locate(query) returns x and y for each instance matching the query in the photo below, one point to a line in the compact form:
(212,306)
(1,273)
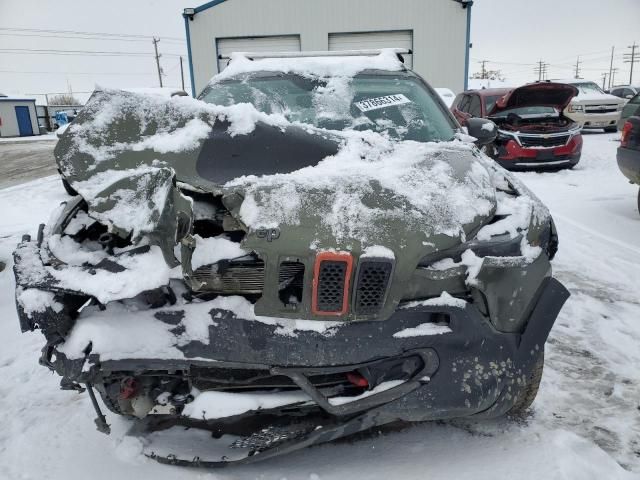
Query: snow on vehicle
(311,249)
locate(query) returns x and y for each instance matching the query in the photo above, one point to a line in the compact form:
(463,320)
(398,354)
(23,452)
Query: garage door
(282,43)
(364,41)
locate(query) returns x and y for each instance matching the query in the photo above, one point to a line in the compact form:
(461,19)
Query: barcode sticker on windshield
(381,102)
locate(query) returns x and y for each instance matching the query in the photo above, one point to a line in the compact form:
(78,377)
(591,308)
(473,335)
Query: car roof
(489,92)
(275,73)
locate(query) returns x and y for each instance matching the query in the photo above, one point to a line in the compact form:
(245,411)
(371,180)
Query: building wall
(9,127)
(439,30)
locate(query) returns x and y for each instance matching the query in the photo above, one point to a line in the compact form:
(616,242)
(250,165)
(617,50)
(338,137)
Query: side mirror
(485,131)
(629,97)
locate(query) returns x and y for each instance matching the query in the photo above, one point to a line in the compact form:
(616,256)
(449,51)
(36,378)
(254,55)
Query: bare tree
(64,99)
(489,74)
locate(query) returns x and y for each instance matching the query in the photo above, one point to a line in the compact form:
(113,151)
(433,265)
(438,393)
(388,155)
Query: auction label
(381,102)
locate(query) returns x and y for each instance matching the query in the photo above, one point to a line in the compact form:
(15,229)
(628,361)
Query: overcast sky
(511,34)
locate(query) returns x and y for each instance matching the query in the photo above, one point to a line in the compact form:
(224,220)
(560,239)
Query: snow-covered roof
(319,67)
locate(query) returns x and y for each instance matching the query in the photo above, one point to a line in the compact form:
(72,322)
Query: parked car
(287,261)
(592,108)
(632,108)
(629,152)
(625,92)
(446,95)
(533,132)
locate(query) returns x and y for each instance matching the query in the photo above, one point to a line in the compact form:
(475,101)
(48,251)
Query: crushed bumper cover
(471,370)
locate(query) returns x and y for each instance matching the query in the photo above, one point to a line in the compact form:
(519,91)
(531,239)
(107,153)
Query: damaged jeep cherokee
(310,249)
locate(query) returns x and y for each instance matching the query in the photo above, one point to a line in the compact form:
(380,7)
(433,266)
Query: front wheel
(638,200)
(530,390)
(611,129)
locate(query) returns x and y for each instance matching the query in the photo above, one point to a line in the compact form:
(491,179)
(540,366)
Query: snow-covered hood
(548,94)
(335,189)
(597,99)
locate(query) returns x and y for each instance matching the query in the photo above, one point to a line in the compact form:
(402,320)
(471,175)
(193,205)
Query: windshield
(586,88)
(528,112)
(491,101)
(399,106)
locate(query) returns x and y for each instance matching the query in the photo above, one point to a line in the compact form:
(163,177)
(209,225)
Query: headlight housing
(575,108)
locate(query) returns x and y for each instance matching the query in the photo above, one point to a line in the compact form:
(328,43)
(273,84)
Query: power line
(613,49)
(541,70)
(604,79)
(155,42)
(97,39)
(101,34)
(612,81)
(75,73)
(43,51)
(631,58)
(577,72)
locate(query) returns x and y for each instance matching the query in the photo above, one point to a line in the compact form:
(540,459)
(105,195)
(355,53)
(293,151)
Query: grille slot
(291,282)
(371,288)
(330,291)
(243,277)
(600,108)
(544,142)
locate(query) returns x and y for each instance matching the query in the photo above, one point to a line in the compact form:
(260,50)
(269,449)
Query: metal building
(436,31)
(18,117)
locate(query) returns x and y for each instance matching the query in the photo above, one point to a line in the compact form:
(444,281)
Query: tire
(69,188)
(638,200)
(611,129)
(528,394)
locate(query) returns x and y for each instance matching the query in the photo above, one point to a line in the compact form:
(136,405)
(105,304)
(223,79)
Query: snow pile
(389,384)
(444,300)
(129,330)
(142,271)
(213,249)
(423,330)
(116,121)
(33,300)
(312,67)
(211,405)
(371,188)
(377,251)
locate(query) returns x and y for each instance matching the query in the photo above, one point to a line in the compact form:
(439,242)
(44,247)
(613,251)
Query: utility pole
(155,46)
(483,73)
(578,62)
(541,70)
(631,58)
(182,74)
(604,80)
(612,79)
(613,49)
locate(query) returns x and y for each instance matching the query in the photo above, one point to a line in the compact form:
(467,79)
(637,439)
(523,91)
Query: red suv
(533,133)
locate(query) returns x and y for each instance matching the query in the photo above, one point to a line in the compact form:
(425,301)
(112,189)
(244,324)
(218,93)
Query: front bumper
(473,369)
(513,156)
(594,120)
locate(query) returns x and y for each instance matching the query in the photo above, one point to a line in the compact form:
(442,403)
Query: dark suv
(533,132)
(309,250)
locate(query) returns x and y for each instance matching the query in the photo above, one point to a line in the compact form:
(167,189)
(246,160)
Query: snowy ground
(585,423)
(35,138)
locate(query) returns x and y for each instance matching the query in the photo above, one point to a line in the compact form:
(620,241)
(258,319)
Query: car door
(475,106)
